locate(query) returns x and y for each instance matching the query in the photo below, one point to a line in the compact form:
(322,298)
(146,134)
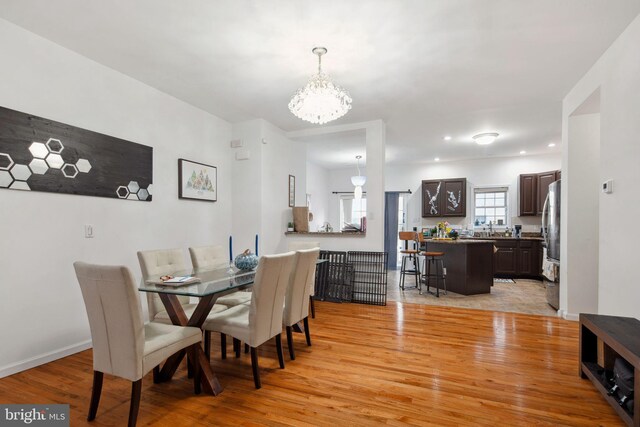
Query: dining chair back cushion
(155,264)
(296,246)
(115,318)
(267,298)
(296,306)
(209,257)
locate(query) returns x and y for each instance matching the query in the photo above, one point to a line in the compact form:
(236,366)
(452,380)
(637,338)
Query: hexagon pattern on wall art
(55,161)
(69,170)
(55,146)
(38,150)
(5,179)
(133,186)
(122,192)
(143,194)
(5,161)
(40,154)
(20,172)
(19,185)
(38,166)
(83,165)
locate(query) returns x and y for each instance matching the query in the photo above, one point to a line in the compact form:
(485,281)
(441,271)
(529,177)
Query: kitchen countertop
(460,241)
(502,238)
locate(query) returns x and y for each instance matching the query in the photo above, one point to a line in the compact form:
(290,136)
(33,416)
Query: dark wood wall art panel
(455,192)
(431,198)
(39,154)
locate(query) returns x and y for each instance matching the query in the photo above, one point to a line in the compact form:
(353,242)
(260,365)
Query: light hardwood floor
(400,364)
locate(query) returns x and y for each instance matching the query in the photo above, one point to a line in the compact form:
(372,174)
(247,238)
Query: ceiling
(427,68)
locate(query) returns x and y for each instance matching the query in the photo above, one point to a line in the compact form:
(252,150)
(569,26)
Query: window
(351,210)
(490,206)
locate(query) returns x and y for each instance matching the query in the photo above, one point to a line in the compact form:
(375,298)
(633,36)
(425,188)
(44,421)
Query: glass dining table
(213,284)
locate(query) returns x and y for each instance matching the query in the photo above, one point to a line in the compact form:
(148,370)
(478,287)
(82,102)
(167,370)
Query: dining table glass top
(212,281)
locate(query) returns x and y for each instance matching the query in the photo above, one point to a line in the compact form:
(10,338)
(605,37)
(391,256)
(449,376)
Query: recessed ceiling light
(523,152)
(485,138)
(437,159)
(552,144)
(447,138)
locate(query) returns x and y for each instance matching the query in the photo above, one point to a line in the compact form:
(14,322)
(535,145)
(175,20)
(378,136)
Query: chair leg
(313,307)
(402,266)
(279,348)
(236,347)
(189,368)
(156,374)
(246,348)
(136,390)
(292,354)
(207,344)
(307,334)
(223,345)
(254,367)
(95,395)
(193,354)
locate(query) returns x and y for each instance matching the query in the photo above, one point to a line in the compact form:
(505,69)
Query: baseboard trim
(32,362)
(569,316)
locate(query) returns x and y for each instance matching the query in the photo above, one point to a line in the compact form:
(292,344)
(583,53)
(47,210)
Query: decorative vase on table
(246,261)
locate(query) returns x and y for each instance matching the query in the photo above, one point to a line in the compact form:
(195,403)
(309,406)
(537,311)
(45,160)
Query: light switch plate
(607,186)
(88,231)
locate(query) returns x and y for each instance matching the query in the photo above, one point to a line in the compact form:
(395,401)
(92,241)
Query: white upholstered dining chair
(210,257)
(296,305)
(296,246)
(261,319)
(122,344)
(157,263)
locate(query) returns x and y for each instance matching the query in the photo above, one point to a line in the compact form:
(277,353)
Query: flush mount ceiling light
(552,145)
(523,152)
(437,159)
(485,138)
(447,138)
(358,181)
(320,101)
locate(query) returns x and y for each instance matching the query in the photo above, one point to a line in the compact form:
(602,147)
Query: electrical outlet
(88,231)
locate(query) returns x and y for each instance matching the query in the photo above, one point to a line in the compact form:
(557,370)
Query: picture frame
(197,181)
(292,191)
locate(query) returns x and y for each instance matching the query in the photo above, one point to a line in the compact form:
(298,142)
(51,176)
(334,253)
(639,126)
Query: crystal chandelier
(358,181)
(320,101)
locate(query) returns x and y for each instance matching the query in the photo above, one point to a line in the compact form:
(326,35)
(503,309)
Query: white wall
(320,191)
(42,233)
(617,75)
(480,172)
(580,259)
(281,158)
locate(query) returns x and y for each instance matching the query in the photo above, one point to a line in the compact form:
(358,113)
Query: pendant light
(358,181)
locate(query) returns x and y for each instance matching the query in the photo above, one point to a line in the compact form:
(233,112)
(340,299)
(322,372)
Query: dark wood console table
(602,340)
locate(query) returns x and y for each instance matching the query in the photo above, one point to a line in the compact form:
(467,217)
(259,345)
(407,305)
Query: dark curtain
(391,199)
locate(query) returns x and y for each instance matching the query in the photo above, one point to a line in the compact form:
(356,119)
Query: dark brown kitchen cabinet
(527,192)
(444,198)
(505,261)
(544,179)
(532,191)
(516,258)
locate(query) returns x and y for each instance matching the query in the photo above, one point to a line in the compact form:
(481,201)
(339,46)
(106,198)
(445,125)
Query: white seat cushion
(235,298)
(163,316)
(234,322)
(161,341)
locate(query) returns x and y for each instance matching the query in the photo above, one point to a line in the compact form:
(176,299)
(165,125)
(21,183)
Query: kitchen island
(469,264)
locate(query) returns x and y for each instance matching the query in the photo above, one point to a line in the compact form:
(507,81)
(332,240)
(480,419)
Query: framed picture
(197,181)
(292,191)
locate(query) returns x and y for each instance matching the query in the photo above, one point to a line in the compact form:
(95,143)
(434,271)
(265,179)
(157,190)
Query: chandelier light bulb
(485,138)
(321,100)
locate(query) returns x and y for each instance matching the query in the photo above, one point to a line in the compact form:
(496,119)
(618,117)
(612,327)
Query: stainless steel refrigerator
(551,235)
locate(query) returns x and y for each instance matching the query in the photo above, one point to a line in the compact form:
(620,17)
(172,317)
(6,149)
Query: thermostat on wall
(607,187)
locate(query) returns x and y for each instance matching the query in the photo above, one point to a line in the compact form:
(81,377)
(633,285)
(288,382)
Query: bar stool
(434,259)
(409,255)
